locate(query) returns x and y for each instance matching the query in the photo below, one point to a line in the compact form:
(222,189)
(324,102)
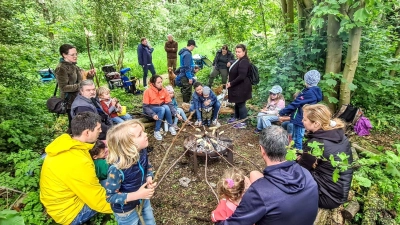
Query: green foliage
(10,217)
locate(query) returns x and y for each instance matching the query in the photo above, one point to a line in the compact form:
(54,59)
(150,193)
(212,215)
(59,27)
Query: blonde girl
(231,187)
(270,112)
(130,176)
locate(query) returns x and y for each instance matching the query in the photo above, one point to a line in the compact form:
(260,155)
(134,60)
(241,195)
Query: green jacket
(101,167)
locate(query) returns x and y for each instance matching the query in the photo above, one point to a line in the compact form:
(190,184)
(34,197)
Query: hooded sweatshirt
(187,64)
(68,180)
(287,194)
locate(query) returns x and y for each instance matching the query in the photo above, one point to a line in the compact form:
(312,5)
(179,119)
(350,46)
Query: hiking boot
(215,123)
(197,123)
(172,130)
(231,120)
(157,135)
(239,126)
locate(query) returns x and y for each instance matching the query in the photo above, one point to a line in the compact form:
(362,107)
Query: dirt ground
(175,204)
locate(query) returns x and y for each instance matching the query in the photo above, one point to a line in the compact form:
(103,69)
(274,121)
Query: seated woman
(330,133)
(157,104)
(204,100)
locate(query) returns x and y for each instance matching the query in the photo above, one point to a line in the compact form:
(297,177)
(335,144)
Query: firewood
(372,205)
(360,149)
(351,209)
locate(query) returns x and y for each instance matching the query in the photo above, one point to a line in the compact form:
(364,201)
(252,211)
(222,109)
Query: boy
(206,108)
(312,94)
(99,154)
(111,105)
(180,111)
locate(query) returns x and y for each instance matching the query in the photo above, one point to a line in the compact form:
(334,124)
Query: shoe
(157,135)
(257,131)
(215,123)
(231,120)
(175,127)
(197,123)
(240,126)
(172,130)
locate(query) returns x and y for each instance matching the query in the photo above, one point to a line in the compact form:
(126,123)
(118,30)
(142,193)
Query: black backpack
(253,74)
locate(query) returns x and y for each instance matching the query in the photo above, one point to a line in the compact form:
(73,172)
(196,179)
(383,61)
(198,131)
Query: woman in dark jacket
(69,75)
(221,63)
(239,86)
(330,133)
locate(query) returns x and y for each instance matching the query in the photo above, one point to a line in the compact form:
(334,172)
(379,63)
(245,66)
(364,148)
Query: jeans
(215,109)
(120,119)
(298,134)
(264,120)
(132,217)
(146,69)
(163,112)
(180,112)
(288,126)
(240,110)
(84,215)
(215,72)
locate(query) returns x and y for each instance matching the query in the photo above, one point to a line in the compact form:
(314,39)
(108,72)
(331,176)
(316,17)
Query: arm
(243,69)
(215,61)
(151,50)
(140,54)
(62,79)
(83,109)
(102,170)
(301,100)
(169,50)
(188,69)
(107,109)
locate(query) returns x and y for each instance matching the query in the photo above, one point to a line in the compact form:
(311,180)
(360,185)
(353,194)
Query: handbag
(56,104)
(123,111)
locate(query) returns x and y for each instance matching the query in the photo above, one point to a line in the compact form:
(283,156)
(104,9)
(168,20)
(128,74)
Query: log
(360,149)
(350,210)
(372,205)
(226,110)
(386,219)
(329,217)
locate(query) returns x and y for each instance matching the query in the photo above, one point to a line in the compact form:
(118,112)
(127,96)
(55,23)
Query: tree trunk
(396,54)
(334,56)
(290,13)
(301,18)
(351,64)
(284,11)
(373,204)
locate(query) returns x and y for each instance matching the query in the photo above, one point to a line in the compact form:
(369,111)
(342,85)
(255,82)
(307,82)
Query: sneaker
(172,130)
(157,135)
(197,123)
(215,123)
(257,131)
(239,126)
(231,120)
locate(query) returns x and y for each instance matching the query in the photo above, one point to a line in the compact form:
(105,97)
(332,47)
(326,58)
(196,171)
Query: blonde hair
(102,90)
(232,184)
(123,150)
(321,114)
(278,98)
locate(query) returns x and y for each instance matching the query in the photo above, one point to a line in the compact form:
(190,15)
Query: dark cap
(192,42)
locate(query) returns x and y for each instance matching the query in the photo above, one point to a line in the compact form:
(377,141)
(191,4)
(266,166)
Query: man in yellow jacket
(69,188)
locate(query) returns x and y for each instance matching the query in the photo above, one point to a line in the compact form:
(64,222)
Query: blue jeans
(146,69)
(84,215)
(264,120)
(163,112)
(288,126)
(215,109)
(298,134)
(182,113)
(120,119)
(132,218)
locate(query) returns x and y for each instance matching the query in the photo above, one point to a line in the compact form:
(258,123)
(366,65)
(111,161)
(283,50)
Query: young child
(231,187)
(269,113)
(130,176)
(99,155)
(286,124)
(180,111)
(206,109)
(312,94)
(111,105)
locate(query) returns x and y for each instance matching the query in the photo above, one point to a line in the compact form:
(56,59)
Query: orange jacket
(154,97)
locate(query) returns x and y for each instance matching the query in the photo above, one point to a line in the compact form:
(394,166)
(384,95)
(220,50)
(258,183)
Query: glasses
(73,55)
(272,93)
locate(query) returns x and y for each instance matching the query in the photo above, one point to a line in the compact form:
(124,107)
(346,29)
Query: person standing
(221,63)
(69,75)
(239,85)
(171,47)
(276,195)
(186,70)
(145,59)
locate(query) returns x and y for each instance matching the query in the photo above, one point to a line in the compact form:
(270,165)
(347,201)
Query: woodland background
(355,44)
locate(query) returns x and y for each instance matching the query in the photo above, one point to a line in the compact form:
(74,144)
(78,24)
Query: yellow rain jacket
(68,180)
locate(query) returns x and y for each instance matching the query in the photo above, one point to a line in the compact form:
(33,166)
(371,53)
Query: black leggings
(240,110)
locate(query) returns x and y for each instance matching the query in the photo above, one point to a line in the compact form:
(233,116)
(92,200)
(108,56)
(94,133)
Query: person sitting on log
(157,104)
(199,101)
(330,134)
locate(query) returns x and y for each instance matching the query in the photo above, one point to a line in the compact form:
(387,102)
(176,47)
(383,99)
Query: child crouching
(130,176)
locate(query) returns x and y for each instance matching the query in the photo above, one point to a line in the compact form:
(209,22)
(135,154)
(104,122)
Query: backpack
(56,104)
(253,74)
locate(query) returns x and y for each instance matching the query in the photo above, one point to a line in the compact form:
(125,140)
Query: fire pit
(207,145)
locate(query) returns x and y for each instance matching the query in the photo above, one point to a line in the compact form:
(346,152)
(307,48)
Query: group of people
(82,175)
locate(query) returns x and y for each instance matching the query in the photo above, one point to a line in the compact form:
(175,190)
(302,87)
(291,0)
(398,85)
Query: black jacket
(240,90)
(220,62)
(331,194)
